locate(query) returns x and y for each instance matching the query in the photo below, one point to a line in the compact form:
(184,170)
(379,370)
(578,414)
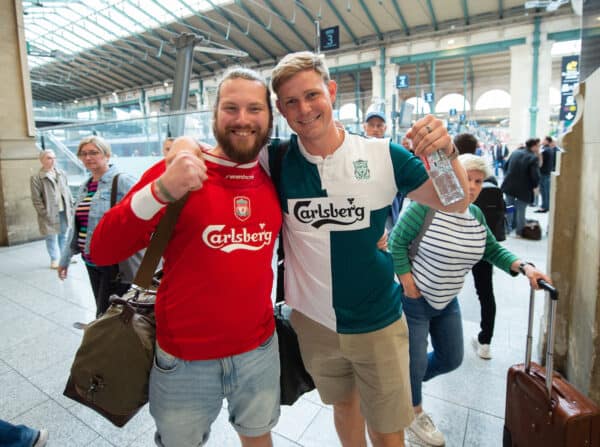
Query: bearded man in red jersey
(214,316)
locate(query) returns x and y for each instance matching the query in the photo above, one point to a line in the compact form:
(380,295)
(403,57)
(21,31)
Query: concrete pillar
(574,245)
(376,83)
(391,71)
(521,60)
(18,154)
(544,84)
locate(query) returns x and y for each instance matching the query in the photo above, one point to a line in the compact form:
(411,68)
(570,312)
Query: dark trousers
(482,274)
(105,282)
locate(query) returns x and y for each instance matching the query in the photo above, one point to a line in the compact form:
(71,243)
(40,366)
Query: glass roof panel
(71,26)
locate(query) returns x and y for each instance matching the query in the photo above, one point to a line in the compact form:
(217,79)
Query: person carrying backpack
(491,203)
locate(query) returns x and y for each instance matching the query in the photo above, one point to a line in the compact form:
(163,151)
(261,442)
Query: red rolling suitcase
(544,410)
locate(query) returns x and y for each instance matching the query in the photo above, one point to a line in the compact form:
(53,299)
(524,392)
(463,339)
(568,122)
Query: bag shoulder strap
(414,245)
(113,190)
(158,243)
(280,151)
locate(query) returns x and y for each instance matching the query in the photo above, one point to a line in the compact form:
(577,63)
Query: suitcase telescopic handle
(553,295)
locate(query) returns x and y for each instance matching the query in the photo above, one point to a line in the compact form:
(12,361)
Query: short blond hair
(97,141)
(293,64)
(475,163)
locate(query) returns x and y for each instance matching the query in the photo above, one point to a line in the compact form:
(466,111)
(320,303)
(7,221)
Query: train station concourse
(138,73)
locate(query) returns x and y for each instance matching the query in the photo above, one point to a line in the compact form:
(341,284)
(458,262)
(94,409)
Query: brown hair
(249,75)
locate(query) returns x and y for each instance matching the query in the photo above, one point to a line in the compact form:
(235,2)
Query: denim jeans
(56,242)
(16,435)
(545,191)
(518,217)
(445,328)
(187,396)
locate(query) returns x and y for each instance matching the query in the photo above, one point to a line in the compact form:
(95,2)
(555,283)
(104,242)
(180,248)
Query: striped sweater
(451,246)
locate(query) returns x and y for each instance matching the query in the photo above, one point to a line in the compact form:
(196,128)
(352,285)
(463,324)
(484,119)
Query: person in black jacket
(522,176)
(549,151)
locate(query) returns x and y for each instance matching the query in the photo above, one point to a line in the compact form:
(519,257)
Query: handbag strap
(158,243)
(414,245)
(113,190)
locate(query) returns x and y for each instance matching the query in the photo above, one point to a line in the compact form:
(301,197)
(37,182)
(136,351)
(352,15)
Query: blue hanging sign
(330,38)
(402,81)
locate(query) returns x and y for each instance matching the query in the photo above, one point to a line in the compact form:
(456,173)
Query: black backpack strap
(414,245)
(113,190)
(280,148)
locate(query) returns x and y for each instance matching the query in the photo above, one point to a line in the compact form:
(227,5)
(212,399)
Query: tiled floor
(37,343)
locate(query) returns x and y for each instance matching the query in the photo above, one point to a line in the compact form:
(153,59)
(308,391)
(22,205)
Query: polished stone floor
(37,344)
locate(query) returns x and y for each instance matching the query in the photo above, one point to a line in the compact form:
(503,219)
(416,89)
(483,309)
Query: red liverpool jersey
(215,297)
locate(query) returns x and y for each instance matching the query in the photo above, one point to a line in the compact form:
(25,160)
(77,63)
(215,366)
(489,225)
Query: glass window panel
(75,26)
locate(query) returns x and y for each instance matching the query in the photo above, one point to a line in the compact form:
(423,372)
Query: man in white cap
(374,124)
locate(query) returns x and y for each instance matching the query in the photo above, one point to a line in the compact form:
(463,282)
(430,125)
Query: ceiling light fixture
(223,51)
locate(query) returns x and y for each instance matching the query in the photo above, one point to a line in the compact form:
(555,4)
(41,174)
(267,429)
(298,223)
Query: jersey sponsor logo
(333,213)
(241,207)
(361,170)
(228,239)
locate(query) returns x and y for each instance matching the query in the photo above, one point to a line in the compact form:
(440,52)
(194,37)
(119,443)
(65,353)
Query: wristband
(166,194)
(522,266)
(155,194)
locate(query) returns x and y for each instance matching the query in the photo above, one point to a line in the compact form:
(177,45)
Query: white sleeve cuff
(143,203)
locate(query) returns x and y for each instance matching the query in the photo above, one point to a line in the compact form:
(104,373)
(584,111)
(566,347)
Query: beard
(242,152)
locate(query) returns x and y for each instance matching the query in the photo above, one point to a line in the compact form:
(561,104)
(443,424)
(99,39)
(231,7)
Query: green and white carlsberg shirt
(334,213)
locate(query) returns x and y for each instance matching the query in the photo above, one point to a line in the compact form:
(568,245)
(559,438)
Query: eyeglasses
(89,153)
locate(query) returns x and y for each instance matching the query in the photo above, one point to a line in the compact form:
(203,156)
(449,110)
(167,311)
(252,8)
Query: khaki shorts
(374,363)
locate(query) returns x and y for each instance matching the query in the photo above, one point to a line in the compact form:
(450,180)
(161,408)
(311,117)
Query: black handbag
(294,380)
(532,230)
(111,370)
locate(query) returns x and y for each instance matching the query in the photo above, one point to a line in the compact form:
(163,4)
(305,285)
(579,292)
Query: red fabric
(215,297)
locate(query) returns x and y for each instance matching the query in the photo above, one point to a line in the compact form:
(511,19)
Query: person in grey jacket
(521,177)
(92,201)
(53,204)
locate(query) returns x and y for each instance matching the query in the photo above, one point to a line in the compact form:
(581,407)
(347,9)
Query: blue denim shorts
(187,396)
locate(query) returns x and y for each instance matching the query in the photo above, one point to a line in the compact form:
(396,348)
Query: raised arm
(427,136)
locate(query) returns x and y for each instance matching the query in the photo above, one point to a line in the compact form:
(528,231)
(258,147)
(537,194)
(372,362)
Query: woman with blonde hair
(92,201)
(433,251)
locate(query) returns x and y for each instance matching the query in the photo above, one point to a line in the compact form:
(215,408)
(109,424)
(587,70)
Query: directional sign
(452,112)
(330,38)
(462,117)
(428,97)
(569,77)
(402,81)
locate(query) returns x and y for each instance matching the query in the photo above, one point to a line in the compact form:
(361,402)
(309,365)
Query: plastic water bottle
(443,177)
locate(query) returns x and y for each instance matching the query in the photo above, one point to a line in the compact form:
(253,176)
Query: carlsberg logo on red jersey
(227,239)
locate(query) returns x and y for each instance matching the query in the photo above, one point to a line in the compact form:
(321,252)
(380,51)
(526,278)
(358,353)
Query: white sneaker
(424,428)
(483,351)
(42,438)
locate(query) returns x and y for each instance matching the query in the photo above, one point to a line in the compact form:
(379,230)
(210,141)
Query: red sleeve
(120,233)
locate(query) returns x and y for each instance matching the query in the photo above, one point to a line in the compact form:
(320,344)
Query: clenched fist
(185,172)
